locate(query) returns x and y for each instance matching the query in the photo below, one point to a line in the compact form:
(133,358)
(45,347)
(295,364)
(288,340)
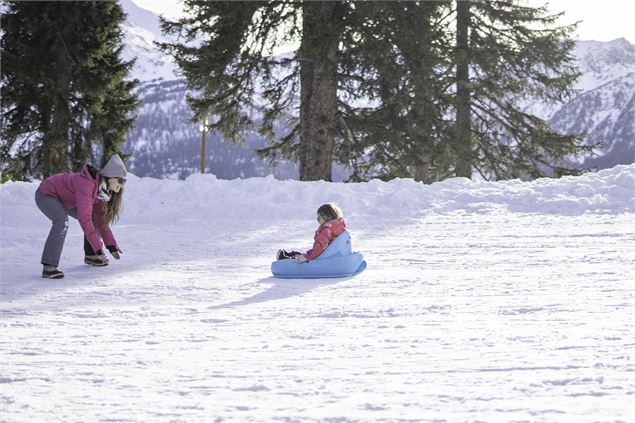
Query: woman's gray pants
(54,210)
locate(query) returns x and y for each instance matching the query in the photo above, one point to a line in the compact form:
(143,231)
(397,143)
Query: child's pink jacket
(324,235)
(79,190)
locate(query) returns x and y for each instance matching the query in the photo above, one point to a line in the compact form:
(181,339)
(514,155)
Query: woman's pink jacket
(79,190)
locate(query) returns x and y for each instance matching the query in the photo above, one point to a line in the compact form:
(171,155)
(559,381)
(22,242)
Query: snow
(506,301)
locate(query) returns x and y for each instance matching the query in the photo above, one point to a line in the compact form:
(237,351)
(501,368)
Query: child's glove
(115,251)
(300,258)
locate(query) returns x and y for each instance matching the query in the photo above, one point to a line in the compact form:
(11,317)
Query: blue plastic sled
(337,261)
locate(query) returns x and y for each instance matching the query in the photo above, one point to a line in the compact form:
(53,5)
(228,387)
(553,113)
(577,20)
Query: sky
(603,20)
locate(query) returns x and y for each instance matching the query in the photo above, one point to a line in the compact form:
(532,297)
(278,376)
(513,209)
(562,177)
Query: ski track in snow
(464,314)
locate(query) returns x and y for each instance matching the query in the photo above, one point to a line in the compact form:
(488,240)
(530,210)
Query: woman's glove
(300,258)
(115,251)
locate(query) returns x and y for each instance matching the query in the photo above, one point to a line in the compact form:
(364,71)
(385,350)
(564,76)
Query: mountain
(166,144)
(605,108)
(141,30)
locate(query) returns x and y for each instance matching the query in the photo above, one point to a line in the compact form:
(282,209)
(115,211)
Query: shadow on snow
(281,289)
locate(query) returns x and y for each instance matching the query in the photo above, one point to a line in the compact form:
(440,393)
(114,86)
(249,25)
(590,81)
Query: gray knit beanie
(114,168)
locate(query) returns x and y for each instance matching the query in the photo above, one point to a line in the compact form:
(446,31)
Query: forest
(422,90)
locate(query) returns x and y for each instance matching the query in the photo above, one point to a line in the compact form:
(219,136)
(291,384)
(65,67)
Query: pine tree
(63,87)
(393,89)
(393,59)
(507,54)
(458,108)
(347,54)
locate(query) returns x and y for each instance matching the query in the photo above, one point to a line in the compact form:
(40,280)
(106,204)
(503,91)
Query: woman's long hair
(113,208)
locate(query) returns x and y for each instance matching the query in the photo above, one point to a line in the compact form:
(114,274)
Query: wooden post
(203,129)
(204,125)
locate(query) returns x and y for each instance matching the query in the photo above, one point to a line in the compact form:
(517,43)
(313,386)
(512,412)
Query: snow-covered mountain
(141,30)
(603,62)
(166,144)
(605,108)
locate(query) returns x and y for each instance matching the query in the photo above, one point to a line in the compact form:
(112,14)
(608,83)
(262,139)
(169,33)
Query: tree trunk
(318,89)
(463,126)
(55,141)
(417,55)
(81,147)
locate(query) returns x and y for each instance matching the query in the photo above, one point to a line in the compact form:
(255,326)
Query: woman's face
(115,184)
(320,219)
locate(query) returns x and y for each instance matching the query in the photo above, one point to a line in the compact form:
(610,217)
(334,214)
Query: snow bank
(610,191)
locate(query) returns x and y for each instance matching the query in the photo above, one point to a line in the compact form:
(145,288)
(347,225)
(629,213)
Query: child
(91,196)
(332,224)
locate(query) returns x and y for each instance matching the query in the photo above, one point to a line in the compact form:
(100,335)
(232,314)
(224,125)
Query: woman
(91,196)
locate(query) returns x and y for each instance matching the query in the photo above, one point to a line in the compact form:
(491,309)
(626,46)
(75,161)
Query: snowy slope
(503,301)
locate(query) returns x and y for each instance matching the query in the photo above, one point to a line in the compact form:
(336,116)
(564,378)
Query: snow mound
(610,191)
